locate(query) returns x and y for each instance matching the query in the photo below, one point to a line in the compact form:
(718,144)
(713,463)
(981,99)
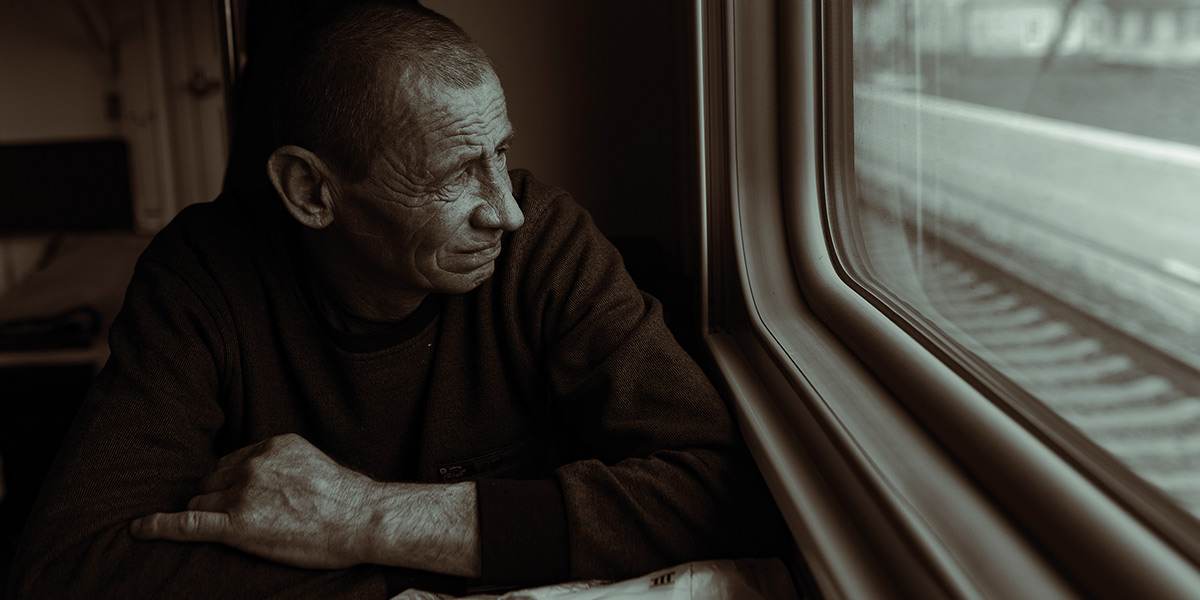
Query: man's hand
(284,500)
(281,499)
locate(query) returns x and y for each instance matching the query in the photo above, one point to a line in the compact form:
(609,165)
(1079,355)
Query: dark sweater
(599,448)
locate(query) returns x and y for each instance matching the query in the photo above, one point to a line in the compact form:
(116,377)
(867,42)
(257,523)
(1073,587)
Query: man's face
(429,216)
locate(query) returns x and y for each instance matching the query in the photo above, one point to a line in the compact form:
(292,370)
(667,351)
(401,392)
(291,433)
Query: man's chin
(460,283)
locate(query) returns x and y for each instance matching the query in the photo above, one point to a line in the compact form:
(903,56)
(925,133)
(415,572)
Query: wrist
(430,527)
(370,543)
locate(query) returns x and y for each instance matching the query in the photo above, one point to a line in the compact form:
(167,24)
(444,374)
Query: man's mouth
(488,252)
(477,257)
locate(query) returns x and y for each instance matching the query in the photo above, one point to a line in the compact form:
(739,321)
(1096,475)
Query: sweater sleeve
(656,472)
(147,434)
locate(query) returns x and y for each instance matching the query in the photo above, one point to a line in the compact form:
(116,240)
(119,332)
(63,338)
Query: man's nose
(499,209)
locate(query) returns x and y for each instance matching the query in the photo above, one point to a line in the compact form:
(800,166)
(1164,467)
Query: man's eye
(456,179)
(452,188)
(502,150)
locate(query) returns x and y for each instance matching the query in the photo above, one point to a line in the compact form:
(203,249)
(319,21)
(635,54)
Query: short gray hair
(333,96)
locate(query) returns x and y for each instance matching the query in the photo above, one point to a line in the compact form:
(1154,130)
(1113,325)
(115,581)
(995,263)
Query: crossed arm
(284,500)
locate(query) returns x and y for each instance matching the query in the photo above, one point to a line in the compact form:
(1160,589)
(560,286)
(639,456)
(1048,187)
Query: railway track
(1139,405)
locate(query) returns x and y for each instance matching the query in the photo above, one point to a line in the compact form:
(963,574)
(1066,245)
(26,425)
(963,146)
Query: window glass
(1028,185)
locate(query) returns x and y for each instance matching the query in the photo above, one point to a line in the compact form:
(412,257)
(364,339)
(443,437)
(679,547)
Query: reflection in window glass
(1029,182)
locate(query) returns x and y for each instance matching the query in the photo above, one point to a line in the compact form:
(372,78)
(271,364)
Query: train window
(1025,184)
(951,288)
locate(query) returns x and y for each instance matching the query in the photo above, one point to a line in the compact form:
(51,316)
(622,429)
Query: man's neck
(350,303)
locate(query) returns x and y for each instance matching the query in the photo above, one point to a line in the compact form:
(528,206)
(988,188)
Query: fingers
(214,502)
(187,526)
(267,446)
(221,479)
(239,455)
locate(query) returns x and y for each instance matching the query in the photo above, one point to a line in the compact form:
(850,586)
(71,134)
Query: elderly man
(418,369)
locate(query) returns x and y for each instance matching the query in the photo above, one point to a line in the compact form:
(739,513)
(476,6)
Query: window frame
(895,474)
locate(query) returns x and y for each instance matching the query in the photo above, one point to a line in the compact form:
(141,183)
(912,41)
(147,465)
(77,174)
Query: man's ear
(302,180)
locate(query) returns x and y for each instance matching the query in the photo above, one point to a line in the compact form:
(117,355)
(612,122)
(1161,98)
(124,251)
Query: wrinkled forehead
(436,117)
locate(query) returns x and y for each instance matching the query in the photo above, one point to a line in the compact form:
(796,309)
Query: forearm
(285,500)
(430,527)
(643,514)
